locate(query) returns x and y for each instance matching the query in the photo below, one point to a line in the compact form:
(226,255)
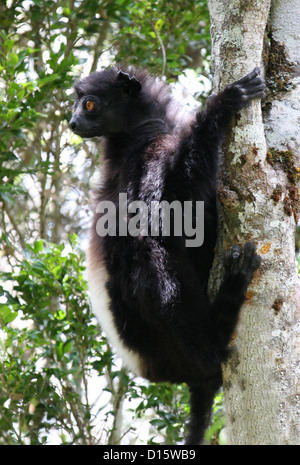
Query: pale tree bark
(258,188)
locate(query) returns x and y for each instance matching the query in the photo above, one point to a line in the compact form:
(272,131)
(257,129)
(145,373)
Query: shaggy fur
(150,293)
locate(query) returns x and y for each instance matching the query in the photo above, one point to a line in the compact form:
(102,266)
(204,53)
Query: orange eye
(89,105)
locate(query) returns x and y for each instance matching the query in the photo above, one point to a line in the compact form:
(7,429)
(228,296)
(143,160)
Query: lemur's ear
(129,84)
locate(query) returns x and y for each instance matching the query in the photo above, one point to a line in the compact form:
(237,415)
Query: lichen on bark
(259,201)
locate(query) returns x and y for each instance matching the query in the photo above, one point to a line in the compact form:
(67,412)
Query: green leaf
(38,246)
(47,79)
(60,315)
(159,423)
(13,59)
(59,349)
(8,44)
(67,347)
(7,314)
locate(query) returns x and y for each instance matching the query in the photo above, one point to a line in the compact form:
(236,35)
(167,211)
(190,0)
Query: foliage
(167,30)
(48,356)
(51,351)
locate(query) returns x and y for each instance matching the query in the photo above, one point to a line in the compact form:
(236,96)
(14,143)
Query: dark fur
(158,287)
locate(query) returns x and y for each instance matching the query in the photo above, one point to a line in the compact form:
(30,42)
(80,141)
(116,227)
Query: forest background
(59,380)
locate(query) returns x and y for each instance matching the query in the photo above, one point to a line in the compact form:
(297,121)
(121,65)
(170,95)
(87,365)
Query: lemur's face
(102,108)
(89,115)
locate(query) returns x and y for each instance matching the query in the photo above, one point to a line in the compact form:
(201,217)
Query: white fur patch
(97,278)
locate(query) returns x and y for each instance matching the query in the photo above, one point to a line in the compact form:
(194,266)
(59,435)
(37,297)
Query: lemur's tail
(201,402)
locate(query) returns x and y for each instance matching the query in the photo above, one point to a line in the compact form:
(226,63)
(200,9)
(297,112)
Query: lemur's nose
(72,124)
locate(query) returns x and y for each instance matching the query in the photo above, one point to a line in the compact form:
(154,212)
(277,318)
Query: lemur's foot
(235,267)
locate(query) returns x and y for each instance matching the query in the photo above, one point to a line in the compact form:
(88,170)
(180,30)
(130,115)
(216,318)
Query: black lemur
(149,292)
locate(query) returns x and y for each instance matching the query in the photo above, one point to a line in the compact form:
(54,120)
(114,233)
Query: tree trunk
(258,201)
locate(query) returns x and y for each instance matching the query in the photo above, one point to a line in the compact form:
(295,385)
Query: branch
(115,438)
(164,55)
(13,223)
